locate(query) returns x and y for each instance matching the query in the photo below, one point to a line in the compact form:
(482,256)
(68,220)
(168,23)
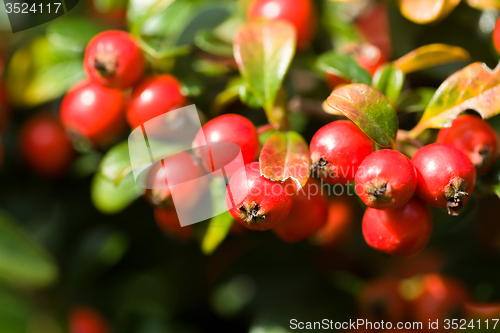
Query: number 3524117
(25,8)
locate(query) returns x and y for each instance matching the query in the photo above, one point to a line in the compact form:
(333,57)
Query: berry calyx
(257,202)
(94,112)
(401,231)
(299,13)
(337,150)
(114,60)
(152,97)
(386,179)
(446,177)
(475,138)
(45,147)
(86,320)
(229,128)
(309,213)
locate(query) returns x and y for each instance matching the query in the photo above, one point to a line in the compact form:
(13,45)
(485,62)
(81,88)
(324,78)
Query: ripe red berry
(229,128)
(92,111)
(342,213)
(496,36)
(181,168)
(386,179)
(368,56)
(441,298)
(446,177)
(475,138)
(45,147)
(255,201)
(333,80)
(401,232)
(373,24)
(86,320)
(299,13)
(168,221)
(338,149)
(114,60)
(309,213)
(380,300)
(152,97)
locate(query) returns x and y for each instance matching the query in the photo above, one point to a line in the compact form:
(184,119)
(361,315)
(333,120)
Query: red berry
(386,179)
(229,128)
(255,201)
(446,177)
(86,320)
(114,60)
(299,13)
(368,56)
(45,147)
(401,232)
(341,216)
(381,300)
(373,24)
(334,80)
(152,97)
(168,221)
(181,168)
(92,111)
(338,149)
(441,298)
(496,36)
(475,138)
(309,213)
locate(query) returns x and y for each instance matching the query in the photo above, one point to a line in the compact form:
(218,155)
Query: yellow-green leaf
(429,56)
(369,109)
(475,87)
(264,51)
(426,11)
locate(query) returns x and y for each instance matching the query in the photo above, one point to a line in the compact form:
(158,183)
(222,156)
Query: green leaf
(110,198)
(415,100)
(369,109)
(285,155)
(343,65)
(22,261)
(475,87)
(139,10)
(264,51)
(206,41)
(40,72)
(72,33)
(389,80)
(219,225)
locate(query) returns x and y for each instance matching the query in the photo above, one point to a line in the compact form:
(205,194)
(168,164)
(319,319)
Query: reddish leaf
(286,155)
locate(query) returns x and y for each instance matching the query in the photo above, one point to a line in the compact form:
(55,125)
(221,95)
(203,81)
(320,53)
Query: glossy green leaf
(285,155)
(415,100)
(219,225)
(139,10)
(369,109)
(390,81)
(110,198)
(23,262)
(264,51)
(343,65)
(475,87)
